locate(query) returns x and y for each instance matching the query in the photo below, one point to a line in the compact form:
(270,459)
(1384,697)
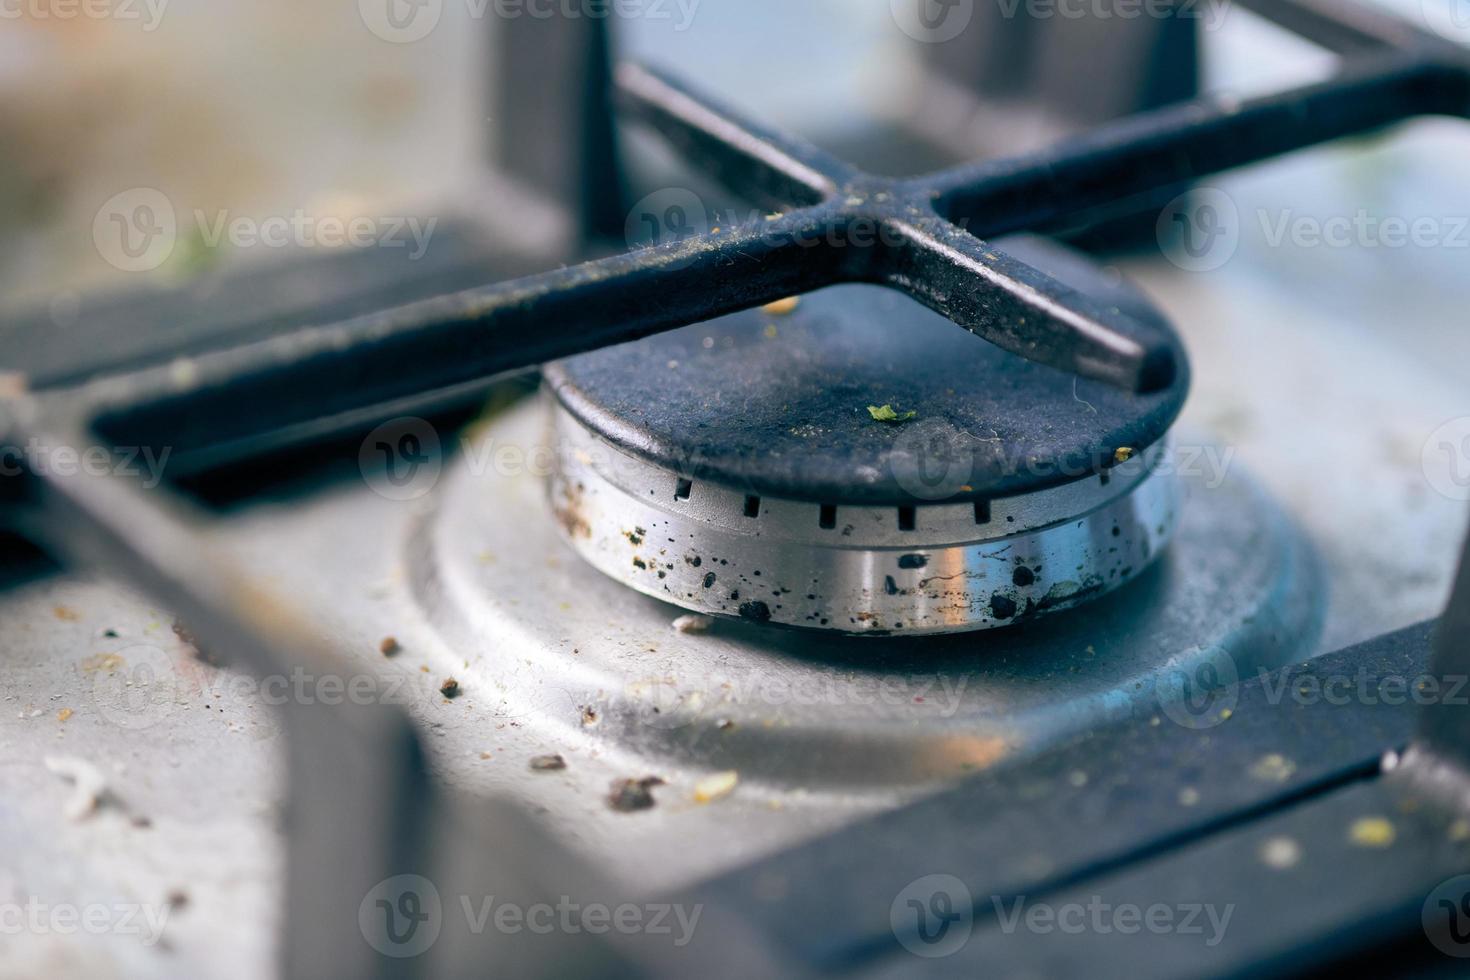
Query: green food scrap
(887,414)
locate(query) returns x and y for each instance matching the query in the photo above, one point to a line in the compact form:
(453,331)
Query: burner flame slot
(827,518)
(982,512)
(907,518)
(752,506)
(683,489)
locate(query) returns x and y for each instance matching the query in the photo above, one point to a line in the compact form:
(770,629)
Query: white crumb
(90,784)
(693,624)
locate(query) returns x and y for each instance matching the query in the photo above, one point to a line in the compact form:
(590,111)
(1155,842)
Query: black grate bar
(477,334)
(905,234)
(1162,151)
(1342,28)
(770,168)
(1018,308)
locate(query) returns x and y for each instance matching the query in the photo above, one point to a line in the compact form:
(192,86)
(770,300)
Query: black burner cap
(780,404)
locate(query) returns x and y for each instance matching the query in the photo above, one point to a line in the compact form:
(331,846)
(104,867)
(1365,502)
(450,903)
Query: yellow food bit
(1371,832)
(1124,454)
(771,331)
(715,787)
(783,307)
(63,714)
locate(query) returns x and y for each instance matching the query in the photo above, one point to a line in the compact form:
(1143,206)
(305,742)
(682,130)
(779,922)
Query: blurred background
(328,112)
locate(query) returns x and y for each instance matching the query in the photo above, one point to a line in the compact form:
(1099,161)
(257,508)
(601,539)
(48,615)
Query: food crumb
(693,624)
(66,614)
(13,384)
(1281,853)
(1188,796)
(1372,832)
(886,413)
(1273,768)
(715,787)
(389,646)
(450,689)
(782,307)
(91,785)
(632,795)
(548,763)
(1124,454)
(63,714)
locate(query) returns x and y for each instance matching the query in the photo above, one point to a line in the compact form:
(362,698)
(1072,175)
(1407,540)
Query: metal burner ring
(875,570)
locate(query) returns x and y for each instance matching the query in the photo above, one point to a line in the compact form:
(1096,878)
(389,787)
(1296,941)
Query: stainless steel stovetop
(1317,510)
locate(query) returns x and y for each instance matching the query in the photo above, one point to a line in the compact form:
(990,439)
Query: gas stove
(1034,567)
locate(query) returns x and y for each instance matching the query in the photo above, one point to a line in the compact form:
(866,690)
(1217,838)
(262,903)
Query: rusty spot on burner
(567,509)
(756,611)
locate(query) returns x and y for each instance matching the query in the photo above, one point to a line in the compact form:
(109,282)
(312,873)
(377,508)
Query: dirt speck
(548,763)
(389,646)
(450,689)
(66,614)
(633,795)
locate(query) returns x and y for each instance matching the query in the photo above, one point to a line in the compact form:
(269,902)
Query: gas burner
(738,467)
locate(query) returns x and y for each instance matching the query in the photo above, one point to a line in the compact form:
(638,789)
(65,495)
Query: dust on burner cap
(735,467)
